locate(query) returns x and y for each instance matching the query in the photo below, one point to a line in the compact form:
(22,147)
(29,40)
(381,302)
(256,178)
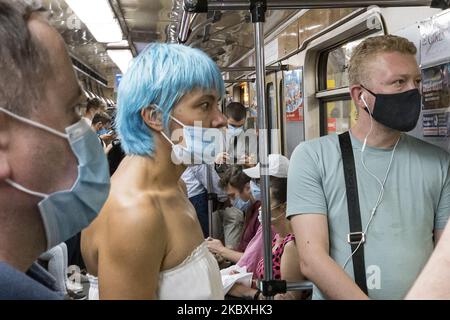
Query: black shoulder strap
(356,235)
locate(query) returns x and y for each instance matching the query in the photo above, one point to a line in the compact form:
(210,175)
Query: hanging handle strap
(356,237)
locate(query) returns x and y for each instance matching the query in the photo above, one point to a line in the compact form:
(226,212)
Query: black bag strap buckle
(356,238)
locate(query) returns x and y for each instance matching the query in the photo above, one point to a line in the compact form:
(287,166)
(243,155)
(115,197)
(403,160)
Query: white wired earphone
(380,195)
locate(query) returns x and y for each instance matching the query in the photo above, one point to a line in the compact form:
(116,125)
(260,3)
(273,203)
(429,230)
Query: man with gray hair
(44,148)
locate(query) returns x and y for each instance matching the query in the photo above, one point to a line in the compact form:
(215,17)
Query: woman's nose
(219,119)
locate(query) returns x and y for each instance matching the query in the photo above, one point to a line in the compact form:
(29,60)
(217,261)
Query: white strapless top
(196,278)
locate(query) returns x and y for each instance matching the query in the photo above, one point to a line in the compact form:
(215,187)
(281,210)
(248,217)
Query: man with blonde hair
(368,206)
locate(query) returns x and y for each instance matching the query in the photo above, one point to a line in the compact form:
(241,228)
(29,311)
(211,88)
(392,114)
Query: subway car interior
(330,126)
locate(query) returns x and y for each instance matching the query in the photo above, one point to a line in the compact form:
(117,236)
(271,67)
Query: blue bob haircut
(162,74)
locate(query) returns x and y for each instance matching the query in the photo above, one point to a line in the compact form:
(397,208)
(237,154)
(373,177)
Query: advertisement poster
(436,124)
(436,87)
(434,40)
(434,53)
(293,94)
(436,100)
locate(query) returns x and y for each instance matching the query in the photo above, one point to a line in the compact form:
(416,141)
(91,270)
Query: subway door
(237,93)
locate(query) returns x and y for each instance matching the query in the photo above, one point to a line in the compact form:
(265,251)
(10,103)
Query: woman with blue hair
(147,242)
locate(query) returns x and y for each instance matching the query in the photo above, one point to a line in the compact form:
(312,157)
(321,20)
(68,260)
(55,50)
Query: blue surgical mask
(241,204)
(102,132)
(233,131)
(65,213)
(255,190)
(202,145)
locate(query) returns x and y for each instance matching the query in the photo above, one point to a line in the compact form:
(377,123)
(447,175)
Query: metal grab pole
(185,26)
(258,14)
(320,4)
(211,197)
(269,68)
(299,286)
(239,81)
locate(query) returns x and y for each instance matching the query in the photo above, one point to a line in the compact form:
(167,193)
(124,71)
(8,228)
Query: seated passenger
(237,185)
(147,242)
(285,262)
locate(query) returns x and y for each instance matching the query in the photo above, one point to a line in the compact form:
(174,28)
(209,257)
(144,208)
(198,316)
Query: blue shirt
(16,285)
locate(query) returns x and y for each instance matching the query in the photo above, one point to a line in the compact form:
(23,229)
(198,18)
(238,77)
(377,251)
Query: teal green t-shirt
(416,202)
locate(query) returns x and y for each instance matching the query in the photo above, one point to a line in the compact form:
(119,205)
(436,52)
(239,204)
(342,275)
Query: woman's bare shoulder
(138,211)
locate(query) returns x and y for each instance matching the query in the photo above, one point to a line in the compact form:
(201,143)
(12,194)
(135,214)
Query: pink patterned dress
(277,252)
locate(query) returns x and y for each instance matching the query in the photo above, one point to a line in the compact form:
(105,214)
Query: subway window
(341,116)
(337,111)
(337,65)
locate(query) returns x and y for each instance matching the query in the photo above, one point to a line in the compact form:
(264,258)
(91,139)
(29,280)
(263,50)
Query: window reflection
(337,65)
(340,116)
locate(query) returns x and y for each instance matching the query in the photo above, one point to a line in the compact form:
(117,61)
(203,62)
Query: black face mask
(398,111)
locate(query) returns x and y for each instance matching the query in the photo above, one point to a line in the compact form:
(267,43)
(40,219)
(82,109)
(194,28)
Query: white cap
(278,167)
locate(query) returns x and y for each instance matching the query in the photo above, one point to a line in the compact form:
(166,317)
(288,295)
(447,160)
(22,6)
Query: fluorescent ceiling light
(118,45)
(121,57)
(99,18)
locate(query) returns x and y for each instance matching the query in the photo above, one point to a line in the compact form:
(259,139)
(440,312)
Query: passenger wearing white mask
(47,153)
(278,166)
(237,185)
(241,144)
(285,263)
(147,242)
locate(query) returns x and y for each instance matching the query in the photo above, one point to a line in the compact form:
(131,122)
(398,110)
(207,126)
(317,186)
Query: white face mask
(233,131)
(256,190)
(202,145)
(241,204)
(67,212)
(272,219)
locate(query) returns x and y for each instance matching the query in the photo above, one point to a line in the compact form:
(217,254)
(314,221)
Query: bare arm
(290,271)
(290,266)
(311,233)
(216,247)
(434,280)
(131,258)
(240,291)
